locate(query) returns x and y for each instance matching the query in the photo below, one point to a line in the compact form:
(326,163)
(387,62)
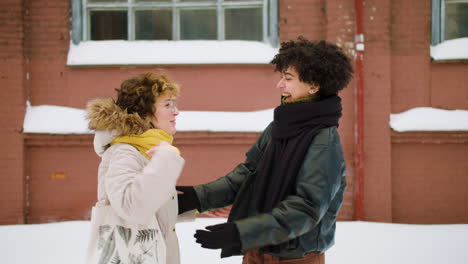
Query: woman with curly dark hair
(137,174)
(287,194)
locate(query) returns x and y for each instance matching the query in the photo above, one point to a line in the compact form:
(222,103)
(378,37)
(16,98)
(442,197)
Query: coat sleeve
(320,178)
(222,192)
(136,191)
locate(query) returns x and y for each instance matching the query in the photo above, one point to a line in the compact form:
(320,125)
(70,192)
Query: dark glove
(219,236)
(187,200)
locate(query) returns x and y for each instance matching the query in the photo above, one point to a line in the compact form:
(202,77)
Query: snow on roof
(455,49)
(50,119)
(429,119)
(121,52)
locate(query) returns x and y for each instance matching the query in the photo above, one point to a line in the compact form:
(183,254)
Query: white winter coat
(137,187)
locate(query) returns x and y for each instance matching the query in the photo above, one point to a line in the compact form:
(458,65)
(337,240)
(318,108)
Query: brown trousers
(253,257)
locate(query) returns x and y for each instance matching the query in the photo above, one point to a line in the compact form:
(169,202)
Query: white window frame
(81,28)
(436,22)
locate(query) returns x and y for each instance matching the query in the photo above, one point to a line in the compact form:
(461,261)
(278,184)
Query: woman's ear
(151,121)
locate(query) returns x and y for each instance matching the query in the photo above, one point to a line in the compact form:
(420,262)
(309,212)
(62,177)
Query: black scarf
(294,127)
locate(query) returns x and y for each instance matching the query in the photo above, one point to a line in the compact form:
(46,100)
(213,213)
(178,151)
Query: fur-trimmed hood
(104,114)
(110,121)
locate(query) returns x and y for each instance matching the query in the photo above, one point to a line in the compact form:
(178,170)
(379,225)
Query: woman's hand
(155,149)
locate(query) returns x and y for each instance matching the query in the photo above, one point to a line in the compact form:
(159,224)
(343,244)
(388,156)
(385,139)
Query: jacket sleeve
(318,182)
(136,191)
(222,192)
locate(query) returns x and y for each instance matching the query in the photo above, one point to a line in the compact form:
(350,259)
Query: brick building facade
(408,177)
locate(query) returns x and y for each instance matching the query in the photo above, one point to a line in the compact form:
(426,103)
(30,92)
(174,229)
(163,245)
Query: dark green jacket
(305,221)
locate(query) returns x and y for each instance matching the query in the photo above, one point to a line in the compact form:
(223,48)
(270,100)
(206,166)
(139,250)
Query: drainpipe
(359,114)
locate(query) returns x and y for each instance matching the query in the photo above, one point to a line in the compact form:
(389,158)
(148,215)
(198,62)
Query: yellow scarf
(146,140)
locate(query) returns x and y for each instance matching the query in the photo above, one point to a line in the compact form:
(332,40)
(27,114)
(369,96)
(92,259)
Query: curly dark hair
(317,62)
(138,94)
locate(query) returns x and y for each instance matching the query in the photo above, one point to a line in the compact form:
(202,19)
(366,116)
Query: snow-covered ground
(356,243)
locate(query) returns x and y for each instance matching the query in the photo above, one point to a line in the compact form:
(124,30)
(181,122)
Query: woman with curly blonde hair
(138,171)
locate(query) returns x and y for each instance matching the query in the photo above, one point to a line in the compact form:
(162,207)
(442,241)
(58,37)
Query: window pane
(456,21)
(153,24)
(107,1)
(244,24)
(196,1)
(154,1)
(107,25)
(198,24)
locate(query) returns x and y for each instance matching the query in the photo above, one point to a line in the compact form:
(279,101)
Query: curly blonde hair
(138,94)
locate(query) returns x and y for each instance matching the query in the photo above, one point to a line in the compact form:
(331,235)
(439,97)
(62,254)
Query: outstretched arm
(222,192)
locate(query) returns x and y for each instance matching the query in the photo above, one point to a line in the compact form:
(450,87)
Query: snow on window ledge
(455,49)
(429,119)
(120,52)
(52,119)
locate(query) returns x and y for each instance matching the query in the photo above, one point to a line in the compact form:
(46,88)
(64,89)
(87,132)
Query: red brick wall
(427,168)
(416,80)
(302,17)
(449,89)
(429,178)
(12,78)
(47,46)
(204,87)
(63,178)
(411,38)
(377,104)
(399,74)
(339,28)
